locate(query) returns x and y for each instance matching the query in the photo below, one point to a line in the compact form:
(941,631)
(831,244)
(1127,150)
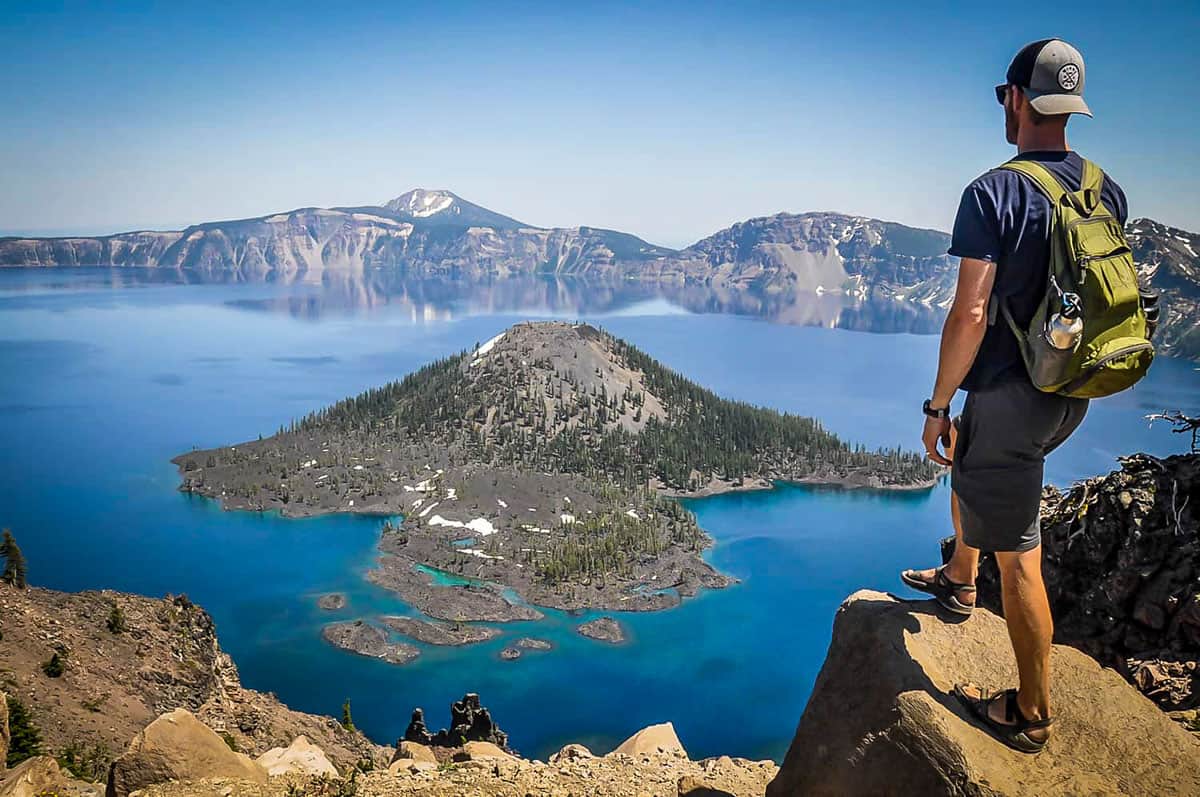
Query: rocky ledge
(603,629)
(358,636)
(128,659)
(440,633)
(1122,566)
(882,718)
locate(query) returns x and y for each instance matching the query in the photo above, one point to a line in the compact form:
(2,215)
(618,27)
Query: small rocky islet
(332,602)
(540,468)
(603,629)
(359,636)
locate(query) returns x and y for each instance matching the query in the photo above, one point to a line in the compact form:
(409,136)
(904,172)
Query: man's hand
(937,429)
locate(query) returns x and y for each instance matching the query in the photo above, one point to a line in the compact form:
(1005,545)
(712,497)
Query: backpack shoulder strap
(1085,201)
(1091,185)
(1042,177)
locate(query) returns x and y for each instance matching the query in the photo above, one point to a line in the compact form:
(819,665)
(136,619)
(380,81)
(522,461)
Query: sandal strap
(945,581)
(1013,713)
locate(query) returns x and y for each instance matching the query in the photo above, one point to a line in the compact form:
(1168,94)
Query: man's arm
(964,328)
(962,333)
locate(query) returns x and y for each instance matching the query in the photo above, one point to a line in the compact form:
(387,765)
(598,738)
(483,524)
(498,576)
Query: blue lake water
(104,378)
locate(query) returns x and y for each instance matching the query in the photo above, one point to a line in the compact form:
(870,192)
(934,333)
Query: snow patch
(502,504)
(479,354)
(632,514)
(566,519)
(425,511)
(479,553)
(481,526)
(422,203)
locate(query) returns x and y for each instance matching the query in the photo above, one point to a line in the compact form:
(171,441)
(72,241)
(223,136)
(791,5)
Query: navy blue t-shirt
(1004,217)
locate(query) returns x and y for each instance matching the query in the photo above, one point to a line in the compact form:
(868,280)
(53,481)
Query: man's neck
(1039,140)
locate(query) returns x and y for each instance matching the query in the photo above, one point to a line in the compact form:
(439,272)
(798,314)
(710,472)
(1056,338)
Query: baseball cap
(1050,72)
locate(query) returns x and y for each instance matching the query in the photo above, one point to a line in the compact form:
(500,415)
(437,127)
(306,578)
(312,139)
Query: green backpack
(1089,257)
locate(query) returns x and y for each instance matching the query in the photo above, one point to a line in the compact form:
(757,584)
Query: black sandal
(942,589)
(1014,730)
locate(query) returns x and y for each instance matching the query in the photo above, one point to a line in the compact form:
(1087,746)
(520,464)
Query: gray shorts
(1004,435)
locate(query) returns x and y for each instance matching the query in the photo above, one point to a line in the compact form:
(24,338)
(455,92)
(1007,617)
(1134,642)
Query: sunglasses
(1001,92)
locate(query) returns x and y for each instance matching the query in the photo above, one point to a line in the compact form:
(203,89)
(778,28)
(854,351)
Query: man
(997,448)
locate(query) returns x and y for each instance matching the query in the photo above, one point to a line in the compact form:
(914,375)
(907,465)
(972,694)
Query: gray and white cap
(1050,72)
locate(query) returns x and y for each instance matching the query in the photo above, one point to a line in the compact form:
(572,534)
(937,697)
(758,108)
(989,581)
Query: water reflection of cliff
(442,299)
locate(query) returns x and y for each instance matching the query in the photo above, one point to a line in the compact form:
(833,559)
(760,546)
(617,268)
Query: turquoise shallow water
(100,386)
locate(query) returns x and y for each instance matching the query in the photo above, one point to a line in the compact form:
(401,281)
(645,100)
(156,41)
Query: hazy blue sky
(669,120)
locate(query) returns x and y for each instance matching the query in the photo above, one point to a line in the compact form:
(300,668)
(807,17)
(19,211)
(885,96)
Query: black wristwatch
(944,412)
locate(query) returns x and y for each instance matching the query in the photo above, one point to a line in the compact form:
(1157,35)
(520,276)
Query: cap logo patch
(1068,77)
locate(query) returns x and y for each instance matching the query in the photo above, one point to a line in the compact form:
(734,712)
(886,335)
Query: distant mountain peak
(422,202)
(440,207)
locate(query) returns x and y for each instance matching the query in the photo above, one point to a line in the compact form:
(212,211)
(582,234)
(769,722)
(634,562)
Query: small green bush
(55,667)
(116,619)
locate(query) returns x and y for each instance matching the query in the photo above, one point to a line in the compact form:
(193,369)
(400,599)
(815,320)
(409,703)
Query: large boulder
(177,746)
(413,751)
(300,756)
(1121,555)
(33,777)
(479,751)
(882,718)
(659,738)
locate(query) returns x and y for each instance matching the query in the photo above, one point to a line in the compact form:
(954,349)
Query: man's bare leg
(1031,628)
(964,562)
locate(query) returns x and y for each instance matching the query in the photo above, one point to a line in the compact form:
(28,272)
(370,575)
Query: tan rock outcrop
(177,746)
(571,752)
(300,756)
(413,751)
(477,751)
(32,778)
(882,718)
(659,738)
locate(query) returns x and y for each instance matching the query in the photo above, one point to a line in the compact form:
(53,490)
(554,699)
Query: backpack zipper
(1082,379)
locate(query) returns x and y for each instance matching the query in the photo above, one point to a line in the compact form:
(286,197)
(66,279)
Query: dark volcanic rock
(604,629)
(367,640)
(469,722)
(332,601)
(1122,566)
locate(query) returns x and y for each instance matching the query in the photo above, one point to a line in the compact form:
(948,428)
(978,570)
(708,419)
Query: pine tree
(25,741)
(14,562)
(347,720)
(116,619)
